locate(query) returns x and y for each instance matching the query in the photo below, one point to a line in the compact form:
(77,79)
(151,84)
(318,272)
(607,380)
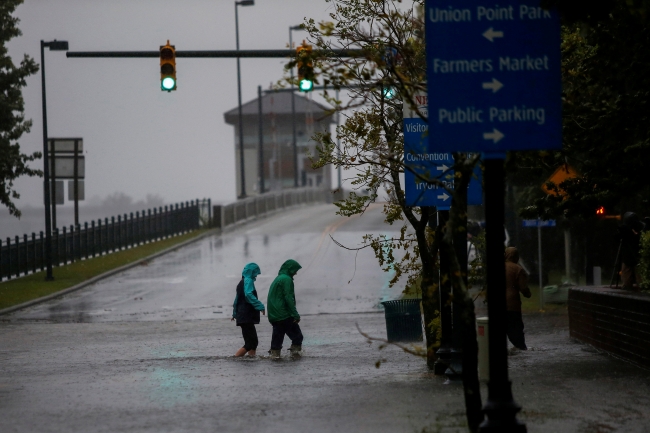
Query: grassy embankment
(23,289)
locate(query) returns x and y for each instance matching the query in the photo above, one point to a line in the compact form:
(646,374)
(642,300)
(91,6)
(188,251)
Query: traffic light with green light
(389,92)
(167,67)
(305,67)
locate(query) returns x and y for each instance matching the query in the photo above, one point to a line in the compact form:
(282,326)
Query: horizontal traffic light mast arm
(218,53)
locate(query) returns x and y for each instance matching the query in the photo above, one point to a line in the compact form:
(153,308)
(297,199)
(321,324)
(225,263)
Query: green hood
(281,301)
(290,267)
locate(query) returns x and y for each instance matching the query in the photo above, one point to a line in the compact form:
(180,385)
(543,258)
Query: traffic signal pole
(225,54)
(215,54)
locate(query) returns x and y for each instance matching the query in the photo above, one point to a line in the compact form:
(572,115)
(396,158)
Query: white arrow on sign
(495,85)
(442,168)
(490,34)
(495,135)
(443,196)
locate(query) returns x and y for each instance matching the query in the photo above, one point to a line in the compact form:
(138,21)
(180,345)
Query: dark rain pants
(250,336)
(288,327)
(515,330)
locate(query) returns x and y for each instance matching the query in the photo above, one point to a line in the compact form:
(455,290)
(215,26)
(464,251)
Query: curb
(106,274)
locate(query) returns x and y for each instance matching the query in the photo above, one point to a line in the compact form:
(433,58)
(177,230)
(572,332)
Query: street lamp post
(241,124)
(260,150)
(338,143)
(53,46)
(293,114)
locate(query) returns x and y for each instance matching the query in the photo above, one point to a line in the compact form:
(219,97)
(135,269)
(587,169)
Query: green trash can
(403,320)
(556,294)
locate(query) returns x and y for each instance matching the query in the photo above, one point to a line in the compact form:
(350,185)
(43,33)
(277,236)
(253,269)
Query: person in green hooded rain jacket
(246,309)
(283,315)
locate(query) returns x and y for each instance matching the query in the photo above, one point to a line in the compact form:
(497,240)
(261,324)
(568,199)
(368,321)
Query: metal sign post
(67,162)
(539,267)
(539,224)
(76,182)
(494,85)
(53,183)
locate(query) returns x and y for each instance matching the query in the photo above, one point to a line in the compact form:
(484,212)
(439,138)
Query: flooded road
(199,281)
(150,350)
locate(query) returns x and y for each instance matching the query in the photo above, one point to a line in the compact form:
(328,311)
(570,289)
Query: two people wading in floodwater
(281,302)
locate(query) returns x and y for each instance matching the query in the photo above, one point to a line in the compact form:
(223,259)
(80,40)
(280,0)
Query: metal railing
(253,207)
(27,255)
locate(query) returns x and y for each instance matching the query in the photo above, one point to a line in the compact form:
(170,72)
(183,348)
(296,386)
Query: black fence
(27,255)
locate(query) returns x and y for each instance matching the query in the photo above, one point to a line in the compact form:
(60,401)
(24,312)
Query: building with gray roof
(277,149)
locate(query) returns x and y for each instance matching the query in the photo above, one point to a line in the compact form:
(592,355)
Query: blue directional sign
(422,163)
(539,223)
(493,73)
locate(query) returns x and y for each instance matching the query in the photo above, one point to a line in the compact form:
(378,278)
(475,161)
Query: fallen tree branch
(421,353)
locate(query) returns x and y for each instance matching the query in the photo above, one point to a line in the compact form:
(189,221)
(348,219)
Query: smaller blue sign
(539,223)
(422,166)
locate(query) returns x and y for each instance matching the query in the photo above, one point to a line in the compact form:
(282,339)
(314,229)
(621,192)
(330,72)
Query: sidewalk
(567,386)
(180,376)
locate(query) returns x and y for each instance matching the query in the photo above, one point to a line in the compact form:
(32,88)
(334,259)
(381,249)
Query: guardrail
(253,207)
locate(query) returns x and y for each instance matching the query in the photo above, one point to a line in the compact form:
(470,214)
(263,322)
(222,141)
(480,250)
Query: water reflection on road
(198,281)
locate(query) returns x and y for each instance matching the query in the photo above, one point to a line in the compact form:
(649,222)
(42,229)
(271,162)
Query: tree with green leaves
(606,116)
(379,84)
(13,124)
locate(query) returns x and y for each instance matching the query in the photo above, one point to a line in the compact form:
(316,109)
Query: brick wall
(614,320)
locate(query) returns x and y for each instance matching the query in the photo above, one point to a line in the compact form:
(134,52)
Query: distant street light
(293,113)
(241,124)
(53,46)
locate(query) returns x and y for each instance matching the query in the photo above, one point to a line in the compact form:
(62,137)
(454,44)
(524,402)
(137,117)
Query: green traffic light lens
(306,85)
(389,92)
(168,83)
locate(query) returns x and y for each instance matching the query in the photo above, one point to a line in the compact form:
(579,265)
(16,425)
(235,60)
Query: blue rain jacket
(247,307)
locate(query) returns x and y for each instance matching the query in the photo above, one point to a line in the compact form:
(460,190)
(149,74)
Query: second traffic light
(167,67)
(305,67)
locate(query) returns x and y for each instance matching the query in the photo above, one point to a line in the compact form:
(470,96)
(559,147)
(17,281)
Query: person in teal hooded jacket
(283,315)
(246,309)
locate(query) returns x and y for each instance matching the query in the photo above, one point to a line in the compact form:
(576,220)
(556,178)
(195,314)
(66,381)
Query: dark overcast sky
(138,139)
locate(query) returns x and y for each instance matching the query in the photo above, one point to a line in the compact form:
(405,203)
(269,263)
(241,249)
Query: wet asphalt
(150,350)
(198,281)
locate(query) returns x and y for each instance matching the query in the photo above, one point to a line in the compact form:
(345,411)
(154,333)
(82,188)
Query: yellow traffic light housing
(167,67)
(305,67)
